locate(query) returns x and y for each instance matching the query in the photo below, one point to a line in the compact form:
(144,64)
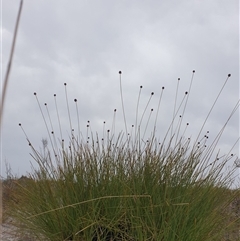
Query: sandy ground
(9,233)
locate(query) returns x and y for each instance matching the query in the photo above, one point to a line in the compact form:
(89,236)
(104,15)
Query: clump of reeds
(124,186)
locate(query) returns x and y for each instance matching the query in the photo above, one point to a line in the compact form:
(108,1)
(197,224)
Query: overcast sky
(86,44)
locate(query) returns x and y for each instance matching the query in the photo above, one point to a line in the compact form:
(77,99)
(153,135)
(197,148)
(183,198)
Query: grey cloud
(86,43)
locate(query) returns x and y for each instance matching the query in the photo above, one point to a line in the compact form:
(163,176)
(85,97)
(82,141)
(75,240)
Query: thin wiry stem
(178,128)
(65,84)
(50,120)
(173,120)
(113,122)
(75,100)
(146,108)
(49,116)
(229,75)
(120,73)
(6,79)
(159,102)
(136,125)
(103,133)
(185,129)
(138,133)
(44,119)
(184,108)
(25,133)
(175,103)
(88,126)
(58,116)
(236,142)
(217,138)
(147,124)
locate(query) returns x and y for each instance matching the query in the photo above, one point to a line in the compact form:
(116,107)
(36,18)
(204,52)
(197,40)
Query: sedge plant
(124,186)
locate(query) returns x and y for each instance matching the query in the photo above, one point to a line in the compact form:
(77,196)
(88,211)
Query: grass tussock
(123,188)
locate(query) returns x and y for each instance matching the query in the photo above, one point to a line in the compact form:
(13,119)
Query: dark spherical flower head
(35,93)
(19,124)
(163,88)
(141,86)
(75,100)
(229,75)
(65,84)
(152,93)
(54,95)
(186,93)
(120,72)
(193,71)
